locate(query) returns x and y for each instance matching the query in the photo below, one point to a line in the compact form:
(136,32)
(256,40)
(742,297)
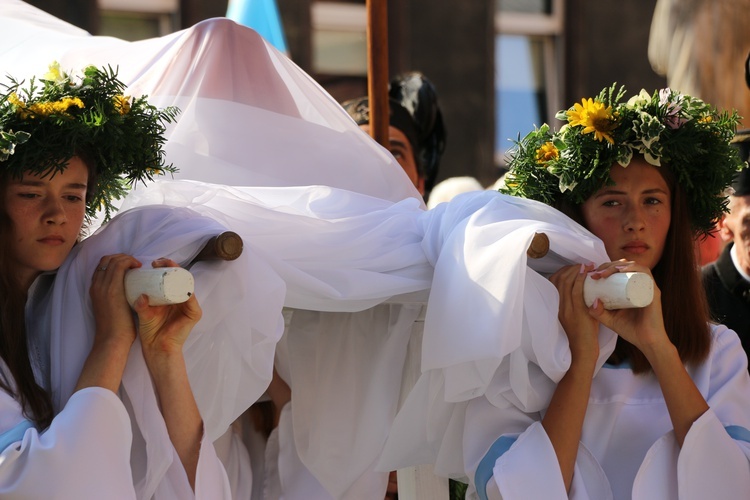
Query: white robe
(628,448)
(85,453)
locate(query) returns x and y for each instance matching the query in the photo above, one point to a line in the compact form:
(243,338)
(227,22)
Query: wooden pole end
(539,246)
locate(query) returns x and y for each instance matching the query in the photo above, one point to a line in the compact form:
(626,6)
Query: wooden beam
(377,69)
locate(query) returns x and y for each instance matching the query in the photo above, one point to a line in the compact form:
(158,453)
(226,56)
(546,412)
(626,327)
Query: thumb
(191,309)
(604,316)
(141,304)
(598,311)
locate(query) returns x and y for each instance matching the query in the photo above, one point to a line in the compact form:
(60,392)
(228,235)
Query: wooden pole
(414,483)
(377,69)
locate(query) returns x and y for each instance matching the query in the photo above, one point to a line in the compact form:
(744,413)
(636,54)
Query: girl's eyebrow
(30,182)
(611,191)
(41,183)
(608,191)
(656,191)
(398,143)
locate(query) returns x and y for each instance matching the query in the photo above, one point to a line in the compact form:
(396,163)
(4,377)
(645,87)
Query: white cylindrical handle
(163,285)
(620,291)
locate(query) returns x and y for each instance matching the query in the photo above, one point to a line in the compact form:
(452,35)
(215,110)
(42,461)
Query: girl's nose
(54,212)
(634,220)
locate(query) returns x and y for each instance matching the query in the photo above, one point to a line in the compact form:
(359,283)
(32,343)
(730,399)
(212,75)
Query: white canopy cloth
(249,115)
(342,252)
(332,226)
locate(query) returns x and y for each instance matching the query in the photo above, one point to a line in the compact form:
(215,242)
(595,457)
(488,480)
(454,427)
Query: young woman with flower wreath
(667,415)
(68,146)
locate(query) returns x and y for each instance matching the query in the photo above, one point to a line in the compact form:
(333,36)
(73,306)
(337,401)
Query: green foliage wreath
(665,127)
(59,116)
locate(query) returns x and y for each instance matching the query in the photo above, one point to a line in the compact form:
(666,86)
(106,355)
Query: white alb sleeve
(85,453)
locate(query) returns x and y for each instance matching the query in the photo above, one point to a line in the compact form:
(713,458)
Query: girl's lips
(635,247)
(52,240)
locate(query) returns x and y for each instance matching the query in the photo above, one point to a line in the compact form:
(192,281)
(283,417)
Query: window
(528,74)
(138,19)
(339,38)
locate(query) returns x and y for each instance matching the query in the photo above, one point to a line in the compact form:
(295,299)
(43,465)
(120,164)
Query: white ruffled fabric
(365,251)
(335,250)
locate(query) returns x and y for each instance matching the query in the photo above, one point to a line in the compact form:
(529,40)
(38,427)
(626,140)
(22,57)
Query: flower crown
(665,127)
(43,127)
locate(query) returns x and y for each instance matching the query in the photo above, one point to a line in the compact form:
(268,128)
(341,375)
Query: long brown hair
(14,351)
(684,304)
(35,401)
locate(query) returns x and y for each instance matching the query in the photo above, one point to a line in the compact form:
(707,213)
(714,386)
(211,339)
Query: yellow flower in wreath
(593,117)
(546,153)
(122,104)
(55,108)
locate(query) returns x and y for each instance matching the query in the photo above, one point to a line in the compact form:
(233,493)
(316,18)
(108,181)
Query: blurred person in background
(416,131)
(727,280)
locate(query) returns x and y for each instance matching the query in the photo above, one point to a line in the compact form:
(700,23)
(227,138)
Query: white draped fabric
(340,254)
(332,228)
(249,115)
(232,346)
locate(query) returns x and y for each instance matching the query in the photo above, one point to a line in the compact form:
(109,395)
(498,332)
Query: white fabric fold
(511,348)
(335,250)
(93,424)
(229,354)
(346,372)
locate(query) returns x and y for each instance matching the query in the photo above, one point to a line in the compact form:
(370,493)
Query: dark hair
(412,101)
(416,93)
(398,117)
(34,400)
(684,304)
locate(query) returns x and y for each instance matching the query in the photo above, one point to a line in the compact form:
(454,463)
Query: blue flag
(260,15)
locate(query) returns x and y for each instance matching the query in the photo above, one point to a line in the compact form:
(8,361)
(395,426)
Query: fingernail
(620,268)
(595,305)
(583,269)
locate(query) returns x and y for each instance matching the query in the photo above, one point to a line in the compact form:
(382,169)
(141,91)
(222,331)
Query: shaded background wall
(601,42)
(607,41)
